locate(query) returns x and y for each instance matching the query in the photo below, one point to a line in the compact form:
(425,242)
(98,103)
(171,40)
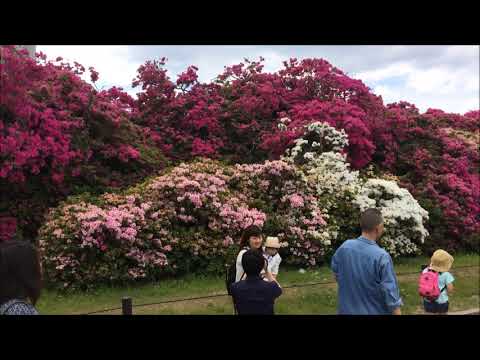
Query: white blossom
(403,216)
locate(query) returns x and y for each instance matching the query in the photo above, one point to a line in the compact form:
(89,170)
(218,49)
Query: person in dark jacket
(254,296)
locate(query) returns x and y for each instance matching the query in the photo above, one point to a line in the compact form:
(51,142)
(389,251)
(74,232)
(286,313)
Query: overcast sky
(442,77)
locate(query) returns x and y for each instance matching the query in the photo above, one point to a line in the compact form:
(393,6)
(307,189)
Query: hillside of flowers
(300,151)
(248,116)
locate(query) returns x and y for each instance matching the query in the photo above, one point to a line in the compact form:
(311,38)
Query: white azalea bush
(404,217)
(345,194)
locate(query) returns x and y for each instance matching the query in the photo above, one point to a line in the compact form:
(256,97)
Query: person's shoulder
(447,276)
(16,307)
(346,244)
(381,252)
(241,252)
(237,285)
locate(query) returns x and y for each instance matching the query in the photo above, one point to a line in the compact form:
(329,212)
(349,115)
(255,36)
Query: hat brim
(439,268)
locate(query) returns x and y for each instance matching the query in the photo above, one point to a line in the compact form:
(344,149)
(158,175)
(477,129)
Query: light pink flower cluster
(239,217)
(296,201)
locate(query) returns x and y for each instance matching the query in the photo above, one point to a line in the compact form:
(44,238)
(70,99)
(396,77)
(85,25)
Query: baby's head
(272,244)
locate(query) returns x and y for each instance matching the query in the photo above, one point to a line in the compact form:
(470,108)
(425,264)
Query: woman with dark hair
(251,239)
(20,278)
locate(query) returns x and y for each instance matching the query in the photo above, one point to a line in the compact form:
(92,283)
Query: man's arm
(389,284)
(334,265)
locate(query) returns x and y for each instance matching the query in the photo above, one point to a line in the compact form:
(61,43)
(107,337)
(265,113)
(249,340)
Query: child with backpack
(436,282)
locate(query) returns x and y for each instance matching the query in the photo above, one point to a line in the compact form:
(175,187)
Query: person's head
(253,262)
(20,272)
(441,261)
(272,244)
(371,223)
(252,237)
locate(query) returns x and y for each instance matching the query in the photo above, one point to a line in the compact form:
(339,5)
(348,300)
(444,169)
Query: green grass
(317,299)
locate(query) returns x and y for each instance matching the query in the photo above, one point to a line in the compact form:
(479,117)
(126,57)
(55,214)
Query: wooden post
(127,306)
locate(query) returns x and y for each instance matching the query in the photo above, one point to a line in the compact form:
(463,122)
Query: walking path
(466,312)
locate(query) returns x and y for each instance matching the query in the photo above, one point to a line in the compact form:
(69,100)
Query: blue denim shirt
(367,284)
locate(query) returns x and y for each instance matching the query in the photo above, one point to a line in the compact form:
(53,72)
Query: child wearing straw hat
(441,262)
(272,244)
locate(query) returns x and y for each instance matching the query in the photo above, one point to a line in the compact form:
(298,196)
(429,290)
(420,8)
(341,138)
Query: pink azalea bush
(188,219)
(293,211)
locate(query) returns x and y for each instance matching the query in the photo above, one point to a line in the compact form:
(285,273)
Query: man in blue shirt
(255,296)
(367,284)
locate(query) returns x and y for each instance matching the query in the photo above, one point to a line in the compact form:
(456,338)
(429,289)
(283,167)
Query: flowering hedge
(191,217)
(59,135)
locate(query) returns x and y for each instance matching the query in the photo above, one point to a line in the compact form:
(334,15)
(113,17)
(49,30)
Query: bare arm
(269,276)
(450,288)
(397,311)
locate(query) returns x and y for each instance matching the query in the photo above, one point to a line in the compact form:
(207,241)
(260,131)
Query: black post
(127,306)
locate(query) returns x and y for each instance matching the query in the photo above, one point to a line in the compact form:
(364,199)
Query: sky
(429,76)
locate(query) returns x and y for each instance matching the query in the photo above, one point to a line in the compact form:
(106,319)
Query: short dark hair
(252,230)
(370,218)
(253,262)
(20,274)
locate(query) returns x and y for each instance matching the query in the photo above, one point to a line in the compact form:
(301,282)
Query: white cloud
(393,70)
(112,62)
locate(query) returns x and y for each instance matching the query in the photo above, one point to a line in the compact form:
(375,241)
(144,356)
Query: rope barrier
(225,294)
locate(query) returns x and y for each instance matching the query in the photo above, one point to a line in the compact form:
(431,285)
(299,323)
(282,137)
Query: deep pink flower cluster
(236,116)
(8,227)
(436,155)
(58,133)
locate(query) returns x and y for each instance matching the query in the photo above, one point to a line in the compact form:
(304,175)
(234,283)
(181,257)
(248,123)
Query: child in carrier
(436,283)
(272,244)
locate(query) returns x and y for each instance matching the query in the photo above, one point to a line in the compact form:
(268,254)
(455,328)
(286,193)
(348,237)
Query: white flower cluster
(327,138)
(283,123)
(337,139)
(403,216)
(399,246)
(332,175)
(323,237)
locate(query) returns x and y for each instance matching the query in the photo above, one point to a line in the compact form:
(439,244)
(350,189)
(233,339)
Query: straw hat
(272,242)
(441,261)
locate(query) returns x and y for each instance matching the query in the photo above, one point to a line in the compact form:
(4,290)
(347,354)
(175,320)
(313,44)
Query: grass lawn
(317,299)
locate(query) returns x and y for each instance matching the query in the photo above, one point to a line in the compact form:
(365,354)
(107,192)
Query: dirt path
(466,312)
